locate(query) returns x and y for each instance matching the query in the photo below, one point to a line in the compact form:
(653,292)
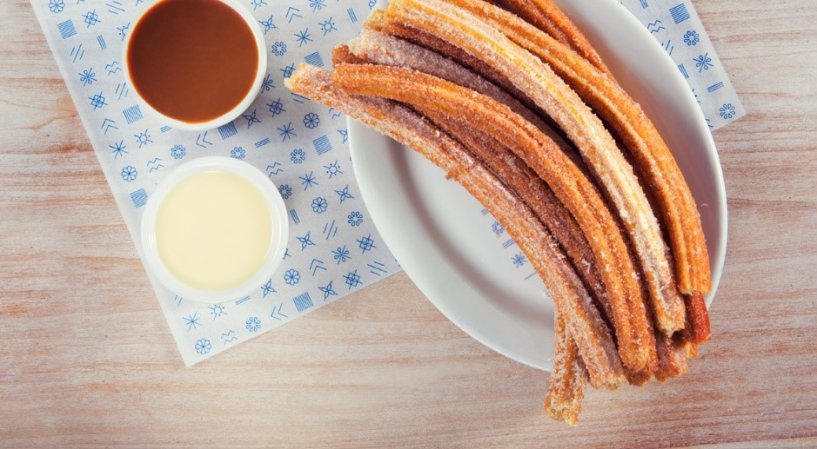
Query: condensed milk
(214,230)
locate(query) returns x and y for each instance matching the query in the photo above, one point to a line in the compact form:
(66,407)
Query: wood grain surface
(89,362)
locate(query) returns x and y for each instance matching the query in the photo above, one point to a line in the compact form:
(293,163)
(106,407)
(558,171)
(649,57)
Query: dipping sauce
(192,60)
(213,230)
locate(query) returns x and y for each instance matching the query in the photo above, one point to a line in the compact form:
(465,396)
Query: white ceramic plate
(457,255)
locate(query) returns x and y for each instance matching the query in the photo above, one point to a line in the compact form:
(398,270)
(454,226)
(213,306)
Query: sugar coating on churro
(381,48)
(566,180)
(547,16)
(565,392)
(475,89)
(654,162)
(520,178)
(592,336)
(552,94)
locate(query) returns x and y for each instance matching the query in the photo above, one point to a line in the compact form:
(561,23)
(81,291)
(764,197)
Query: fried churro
(548,17)
(520,178)
(565,392)
(384,49)
(529,74)
(381,48)
(569,184)
(595,342)
(504,101)
(654,160)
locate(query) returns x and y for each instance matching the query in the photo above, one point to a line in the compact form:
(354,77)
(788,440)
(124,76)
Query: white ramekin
(278,219)
(233,113)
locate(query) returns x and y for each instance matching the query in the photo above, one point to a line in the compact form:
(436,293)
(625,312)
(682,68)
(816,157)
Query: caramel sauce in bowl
(198,64)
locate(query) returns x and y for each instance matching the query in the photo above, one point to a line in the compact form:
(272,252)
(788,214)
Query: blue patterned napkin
(334,249)
(676,25)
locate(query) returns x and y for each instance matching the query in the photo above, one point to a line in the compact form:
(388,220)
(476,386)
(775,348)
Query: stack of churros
(511,100)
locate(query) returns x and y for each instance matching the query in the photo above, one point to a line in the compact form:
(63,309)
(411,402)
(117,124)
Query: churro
(697,326)
(569,184)
(342,54)
(672,358)
(529,74)
(548,17)
(377,22)
(381,48)
(501,102)
(521,179)
(654,161)
(563,401)
(594,341)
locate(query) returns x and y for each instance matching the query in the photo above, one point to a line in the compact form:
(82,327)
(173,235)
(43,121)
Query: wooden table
(86,362)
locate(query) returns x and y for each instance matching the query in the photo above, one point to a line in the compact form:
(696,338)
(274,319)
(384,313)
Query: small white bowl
(278,218)
(233,113)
